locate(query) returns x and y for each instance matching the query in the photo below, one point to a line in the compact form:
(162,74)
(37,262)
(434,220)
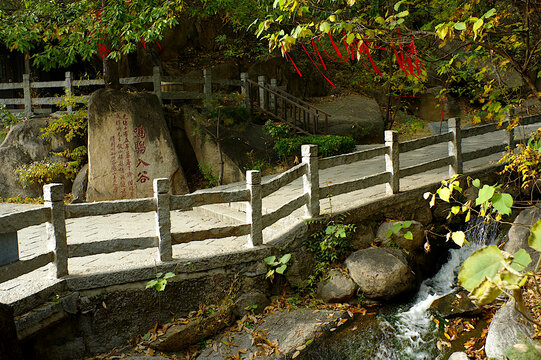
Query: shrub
(328,145)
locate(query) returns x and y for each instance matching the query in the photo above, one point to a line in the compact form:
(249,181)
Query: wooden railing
(55,213)
(282,106)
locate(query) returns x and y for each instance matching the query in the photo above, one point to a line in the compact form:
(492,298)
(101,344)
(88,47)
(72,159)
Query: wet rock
(414,245)
(129,146)
(454,304)
(458,356)
(254,302)
(337,288)
(179,337)
(380,273)
(519,233)
(287,330)
(507,328)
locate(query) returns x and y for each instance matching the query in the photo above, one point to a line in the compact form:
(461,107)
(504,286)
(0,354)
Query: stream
(406,331)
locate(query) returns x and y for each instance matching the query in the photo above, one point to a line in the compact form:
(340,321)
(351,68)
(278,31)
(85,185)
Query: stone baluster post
(254,211)
(511,133)
(262,93)
(68,88)
(311,179)
(207,85)
(157,82)
(163,219)
(245,90)
(57,242)
(392,162)
(455,146)
(27,95)
(272,96)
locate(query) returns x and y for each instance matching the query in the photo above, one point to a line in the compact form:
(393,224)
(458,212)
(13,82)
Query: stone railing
(161,87)
(54,213)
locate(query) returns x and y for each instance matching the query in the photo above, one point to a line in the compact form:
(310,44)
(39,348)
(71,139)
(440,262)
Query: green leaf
(389,233)
(535,236)
(397,5)
(455,210)
(458,237)
(444,194)
(489,13)
(160,284)
(169,275)
(325,27)
(460,26)
(397,226)
(408,235)
(406,224)
(330,229)
(477,25)
(159,275)
(483,263)
(502,203)
(270,273)
(485,194)
(521,259)
(270,260)
(403,14)
(476,183)
(285,259)
(151,284)
(485,292)
(281,269)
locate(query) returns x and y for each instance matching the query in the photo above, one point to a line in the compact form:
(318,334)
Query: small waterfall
(414,326)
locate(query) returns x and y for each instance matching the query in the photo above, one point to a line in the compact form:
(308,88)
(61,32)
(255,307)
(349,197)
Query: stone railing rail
(54,212)
(161,85)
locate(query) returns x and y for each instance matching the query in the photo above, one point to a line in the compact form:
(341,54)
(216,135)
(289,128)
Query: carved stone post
(455,146)
(245,90)
(392,162)
(207,86)
(254,210)
(272,96)
(163,219)
(57,242)
(27,95)
(311,179)
(262,93)
(69,90)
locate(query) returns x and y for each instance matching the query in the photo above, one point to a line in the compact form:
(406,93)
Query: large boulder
(129,146)
(428,107)
(338,287)
(411,245)
(356,116)
(80,185)
(506,329)
(24,145)
(519,233)
(380,273)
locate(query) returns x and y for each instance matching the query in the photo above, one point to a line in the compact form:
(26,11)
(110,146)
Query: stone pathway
(32,240)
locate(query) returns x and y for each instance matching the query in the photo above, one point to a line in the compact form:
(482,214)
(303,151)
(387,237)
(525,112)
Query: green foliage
(333,242)
(206,170)
(398,226)
(525,164)
(7,119)
(277,130)
(19,199)
(60,33)
(228,109)
(160,282)
(276,266)
(44,172)
(328,145)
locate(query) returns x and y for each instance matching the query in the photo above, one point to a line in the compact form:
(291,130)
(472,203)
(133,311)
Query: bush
(328,145)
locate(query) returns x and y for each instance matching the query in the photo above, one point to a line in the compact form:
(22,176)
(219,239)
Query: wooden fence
(54,213)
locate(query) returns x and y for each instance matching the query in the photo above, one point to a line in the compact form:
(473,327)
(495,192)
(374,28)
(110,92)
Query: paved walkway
(32,240)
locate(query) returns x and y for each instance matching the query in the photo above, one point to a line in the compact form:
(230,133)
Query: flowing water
(407,332)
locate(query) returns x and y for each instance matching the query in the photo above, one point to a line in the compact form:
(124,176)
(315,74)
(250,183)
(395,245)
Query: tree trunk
(110,74)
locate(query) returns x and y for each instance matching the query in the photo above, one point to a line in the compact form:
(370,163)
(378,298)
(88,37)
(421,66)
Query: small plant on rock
(276,266)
